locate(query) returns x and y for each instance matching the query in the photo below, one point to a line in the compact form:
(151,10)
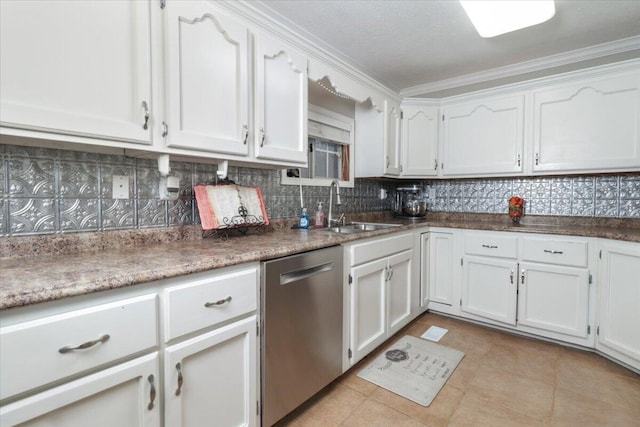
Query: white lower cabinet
(440,274)
(212,379)
(618,330)
(554,299)
(98,362)
(380,291)
(124,395)
(489,289)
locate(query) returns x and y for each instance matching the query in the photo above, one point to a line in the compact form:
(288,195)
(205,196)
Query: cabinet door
(441,268)
(489,288)
(206,56)
(554,298)
(592,125)
(419,141)
(281,101)
(484,137)
(125,395)
(399,292)
(79,68)
(368,307)
(392,139)
(211,379)
(619,299)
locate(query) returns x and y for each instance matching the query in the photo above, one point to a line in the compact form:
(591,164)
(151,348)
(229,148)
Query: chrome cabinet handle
(390,273)
(537,159)
(388,161)
(490,246)
(522,277)
(180,379)
(218,303)
(435,165)
(262,137)
(84,346)
(553,252)
(511,277)
(152,393)
(245,130)
(147,115)
(386,274)
(518,159)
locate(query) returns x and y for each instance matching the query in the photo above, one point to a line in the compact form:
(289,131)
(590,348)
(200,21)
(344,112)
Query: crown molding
(557,60)
(265,18)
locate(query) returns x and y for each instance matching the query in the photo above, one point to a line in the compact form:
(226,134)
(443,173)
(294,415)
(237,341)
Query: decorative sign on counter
(230,206)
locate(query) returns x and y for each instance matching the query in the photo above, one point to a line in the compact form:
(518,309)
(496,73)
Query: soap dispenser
(304,219)
(319,216)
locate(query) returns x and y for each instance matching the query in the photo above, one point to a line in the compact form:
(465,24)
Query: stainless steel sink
(360,227)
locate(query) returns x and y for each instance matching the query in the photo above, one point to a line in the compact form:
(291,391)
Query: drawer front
(378,248)
(550,251)
(41,351)
(208,301)
(491,244)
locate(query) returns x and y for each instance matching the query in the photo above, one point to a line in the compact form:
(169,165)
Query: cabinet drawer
(39,352)
(491,244)
(562,252)
(378,248)
(208,301)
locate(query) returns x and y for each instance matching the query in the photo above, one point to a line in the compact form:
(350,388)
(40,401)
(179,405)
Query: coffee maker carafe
(410,202)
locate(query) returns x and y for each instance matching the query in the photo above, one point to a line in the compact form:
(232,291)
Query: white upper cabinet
(206,54)
(592,125)
(419,140)
(280,101)
(484,137)
(392,129)
(77,68)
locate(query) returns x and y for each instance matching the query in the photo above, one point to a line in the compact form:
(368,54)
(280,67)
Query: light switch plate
(120,187)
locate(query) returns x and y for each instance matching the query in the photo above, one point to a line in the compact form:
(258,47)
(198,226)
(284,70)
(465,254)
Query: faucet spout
(330,219)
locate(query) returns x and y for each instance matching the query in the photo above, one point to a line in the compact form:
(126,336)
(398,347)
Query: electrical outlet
(120,187)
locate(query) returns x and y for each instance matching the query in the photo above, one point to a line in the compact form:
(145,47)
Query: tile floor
(503,380)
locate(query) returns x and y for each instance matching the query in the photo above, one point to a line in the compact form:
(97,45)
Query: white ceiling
(429,47)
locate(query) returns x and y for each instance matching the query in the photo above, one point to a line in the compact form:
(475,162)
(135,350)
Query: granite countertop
(62,266)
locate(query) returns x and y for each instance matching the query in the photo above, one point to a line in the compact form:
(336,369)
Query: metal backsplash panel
(45,191)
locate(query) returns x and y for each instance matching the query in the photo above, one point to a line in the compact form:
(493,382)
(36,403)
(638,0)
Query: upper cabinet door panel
(392,139)
(77,68)
(420,141)
(281,101)
(206,57)
(592,125)
(485,137)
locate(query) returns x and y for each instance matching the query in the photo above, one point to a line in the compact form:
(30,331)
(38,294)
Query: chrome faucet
(330,220)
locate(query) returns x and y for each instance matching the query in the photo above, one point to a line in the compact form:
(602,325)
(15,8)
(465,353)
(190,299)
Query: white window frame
(336,120)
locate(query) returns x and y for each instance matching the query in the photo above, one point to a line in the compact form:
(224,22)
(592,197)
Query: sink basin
(360,227)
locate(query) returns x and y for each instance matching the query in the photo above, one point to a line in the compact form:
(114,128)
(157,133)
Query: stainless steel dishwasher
(301,349)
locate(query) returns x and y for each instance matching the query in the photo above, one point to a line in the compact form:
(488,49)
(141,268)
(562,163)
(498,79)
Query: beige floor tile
(572,409)
(464,373)
(436,414)
(527,396)
(530,362)
(592,361)
(329,408)
(351,379)
(591,380)
(374,414)
(475,412)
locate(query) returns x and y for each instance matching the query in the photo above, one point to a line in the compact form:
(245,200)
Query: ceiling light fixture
(492,18)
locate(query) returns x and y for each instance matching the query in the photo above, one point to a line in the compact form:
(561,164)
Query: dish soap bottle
(304,219)
(319,216)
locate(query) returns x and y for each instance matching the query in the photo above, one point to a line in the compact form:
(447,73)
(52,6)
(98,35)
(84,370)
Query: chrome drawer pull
(84,346)
(180,379)
(218,303)
(553,252)
(490,246)
(152,393)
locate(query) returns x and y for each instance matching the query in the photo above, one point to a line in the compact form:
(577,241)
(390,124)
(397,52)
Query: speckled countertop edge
(36,279)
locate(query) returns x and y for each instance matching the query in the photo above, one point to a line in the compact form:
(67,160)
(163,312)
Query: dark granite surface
(44,268)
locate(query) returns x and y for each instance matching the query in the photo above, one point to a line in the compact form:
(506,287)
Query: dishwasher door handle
(294,276)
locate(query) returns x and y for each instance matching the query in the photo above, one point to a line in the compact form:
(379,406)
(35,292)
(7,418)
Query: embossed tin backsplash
(44,191)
